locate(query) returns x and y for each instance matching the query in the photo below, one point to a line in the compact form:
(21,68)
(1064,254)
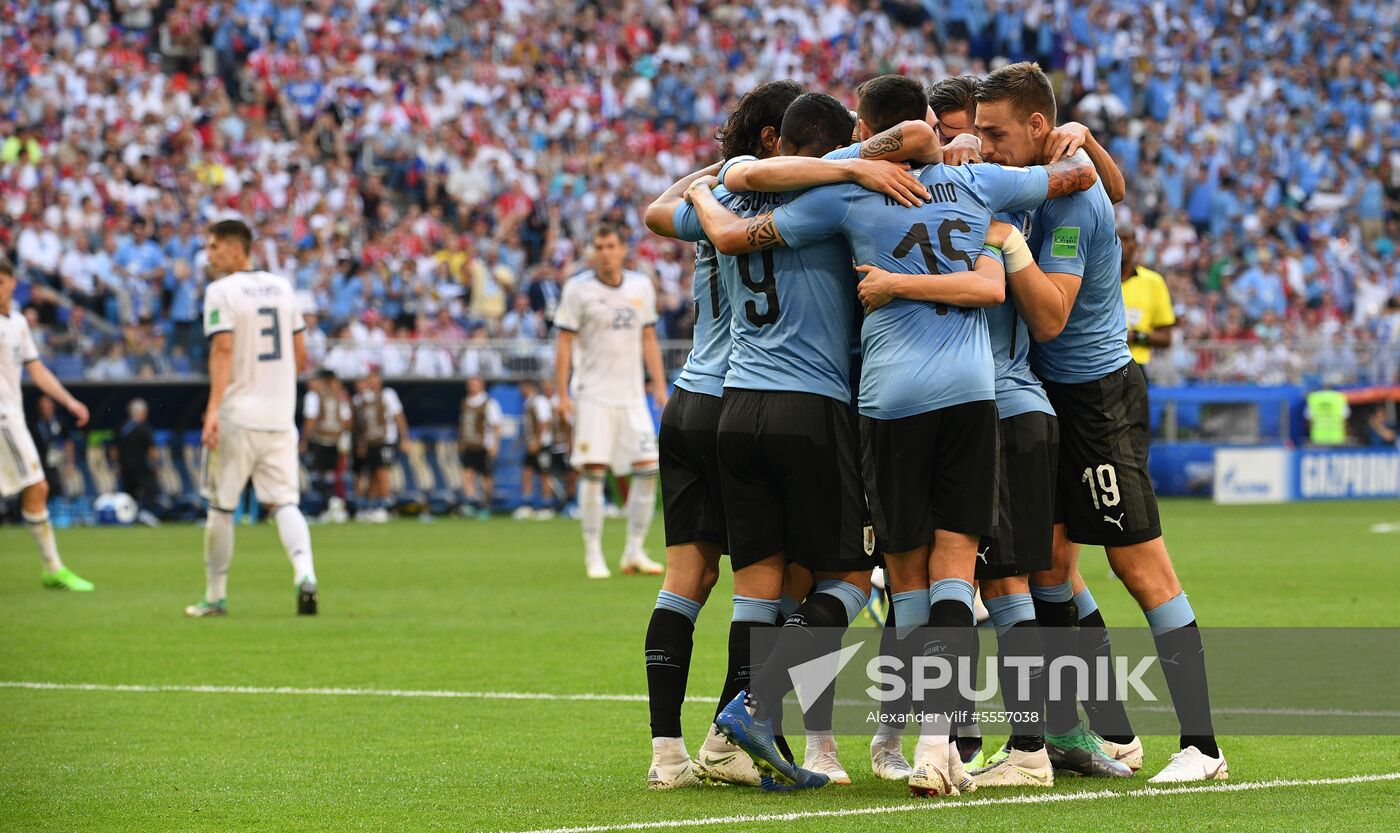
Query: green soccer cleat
(65,579)
(1079,752)
(204,608)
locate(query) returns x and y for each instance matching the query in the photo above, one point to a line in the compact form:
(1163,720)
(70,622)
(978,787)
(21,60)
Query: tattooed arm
(797,173)
(1070,137)
(730,233)
(910,141)
(661,215)
(1070,175)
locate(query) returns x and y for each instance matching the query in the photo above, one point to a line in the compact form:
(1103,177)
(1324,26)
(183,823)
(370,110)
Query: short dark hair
(761,107)
(233,229)
(890,99)
(1025,85)
(325,374)
(608,230)
(817,123)
(5,267)
(952,94)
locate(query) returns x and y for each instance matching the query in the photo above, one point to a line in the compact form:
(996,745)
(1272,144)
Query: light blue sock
(951,589)
(851,597)
(1053,593)
(749,609)
(1084,602)
(1008,611)
(910,609)
(1174,613)
(788,605)
(689,608)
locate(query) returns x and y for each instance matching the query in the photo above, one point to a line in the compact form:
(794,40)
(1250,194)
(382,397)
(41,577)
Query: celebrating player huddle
(922,365)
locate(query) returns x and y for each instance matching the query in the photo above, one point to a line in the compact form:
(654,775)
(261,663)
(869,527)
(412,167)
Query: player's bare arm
(651,357)
(661,214)
(1069,176)
(563,363)
(795,173)
(984,286)
(1070,137)
(730,233)
(220,367)
(45,381)
(908,141)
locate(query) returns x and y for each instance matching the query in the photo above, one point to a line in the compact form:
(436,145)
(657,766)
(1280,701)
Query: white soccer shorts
(613,436)
(19,459)
(268,457)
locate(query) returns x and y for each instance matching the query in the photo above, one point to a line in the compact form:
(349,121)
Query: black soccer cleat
(306,598)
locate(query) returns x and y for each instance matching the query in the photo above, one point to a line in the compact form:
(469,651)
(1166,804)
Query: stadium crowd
(431,170)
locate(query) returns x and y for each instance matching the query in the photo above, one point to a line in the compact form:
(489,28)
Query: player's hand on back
(997,232)
(965,149)
(1066,139)
(876,287)
(706,182)
(893,179)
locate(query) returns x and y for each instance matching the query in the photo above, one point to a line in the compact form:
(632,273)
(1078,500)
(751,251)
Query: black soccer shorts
(930,471)
(691,502)
(1024,537)
(790,481)
(1105,495)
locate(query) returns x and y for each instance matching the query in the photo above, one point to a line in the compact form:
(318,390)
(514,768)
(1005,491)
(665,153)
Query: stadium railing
(1310,361)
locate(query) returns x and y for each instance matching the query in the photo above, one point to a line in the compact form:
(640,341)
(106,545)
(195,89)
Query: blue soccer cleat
(755,736)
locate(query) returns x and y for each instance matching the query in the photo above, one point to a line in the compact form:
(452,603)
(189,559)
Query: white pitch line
(1391,527)
(584,697)
(926,806)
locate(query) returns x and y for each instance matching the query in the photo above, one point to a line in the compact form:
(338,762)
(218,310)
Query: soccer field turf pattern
(490,610)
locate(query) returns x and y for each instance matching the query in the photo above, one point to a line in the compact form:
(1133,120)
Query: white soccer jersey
(17,348)
(608,349)
(261,311)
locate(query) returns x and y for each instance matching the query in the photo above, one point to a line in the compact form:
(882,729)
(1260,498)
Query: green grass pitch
(502,606)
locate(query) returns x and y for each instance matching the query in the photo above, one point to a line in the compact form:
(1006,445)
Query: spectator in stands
(371,156)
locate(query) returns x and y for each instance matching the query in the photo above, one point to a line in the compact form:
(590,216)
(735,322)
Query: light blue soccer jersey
(1076,235)
(708,361)
(916,356)
(1018,389)
(791,322)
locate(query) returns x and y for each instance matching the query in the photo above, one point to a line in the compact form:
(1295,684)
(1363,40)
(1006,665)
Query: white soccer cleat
(721,762)
(670,765)
(887,760)
(522,513)
(1018,769)
(957,773)
(1129,754)
(821,757)
(612,511)
(596,567)
(1191,764)
(931,777)
(544,514)
(637,563)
